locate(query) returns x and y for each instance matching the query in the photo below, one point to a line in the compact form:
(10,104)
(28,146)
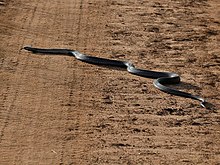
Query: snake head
(207,105)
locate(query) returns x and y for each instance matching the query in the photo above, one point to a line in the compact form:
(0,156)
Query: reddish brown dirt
(57,110)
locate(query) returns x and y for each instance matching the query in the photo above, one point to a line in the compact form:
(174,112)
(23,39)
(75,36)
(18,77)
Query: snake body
(161,78)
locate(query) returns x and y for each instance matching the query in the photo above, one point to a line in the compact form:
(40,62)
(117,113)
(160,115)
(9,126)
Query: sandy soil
(57,110)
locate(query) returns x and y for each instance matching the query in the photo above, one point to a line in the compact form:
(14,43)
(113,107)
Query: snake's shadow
(185,85)
(180,86)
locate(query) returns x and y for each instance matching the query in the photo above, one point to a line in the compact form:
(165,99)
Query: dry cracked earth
(57,110)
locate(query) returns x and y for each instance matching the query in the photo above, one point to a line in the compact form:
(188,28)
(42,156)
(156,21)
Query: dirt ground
(57,110)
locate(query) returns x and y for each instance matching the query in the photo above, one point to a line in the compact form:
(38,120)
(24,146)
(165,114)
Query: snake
(161,79)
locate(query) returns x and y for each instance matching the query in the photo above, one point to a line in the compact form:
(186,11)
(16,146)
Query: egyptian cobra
(161,78)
